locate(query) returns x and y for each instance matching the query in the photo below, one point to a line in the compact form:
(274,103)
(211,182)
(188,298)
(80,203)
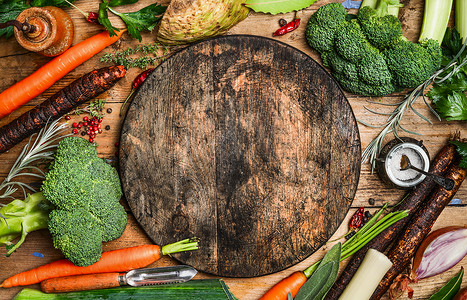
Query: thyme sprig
(94,108)
(140,56)
(38,150)
(393,122)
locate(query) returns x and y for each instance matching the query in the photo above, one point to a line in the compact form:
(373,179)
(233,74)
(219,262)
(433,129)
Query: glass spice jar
(388,164)
(53,30)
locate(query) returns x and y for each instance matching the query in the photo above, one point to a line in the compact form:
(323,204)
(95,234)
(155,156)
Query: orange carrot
(120,260)
(291,284)
(33,85)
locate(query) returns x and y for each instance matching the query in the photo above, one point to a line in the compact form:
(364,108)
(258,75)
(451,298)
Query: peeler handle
(81,282)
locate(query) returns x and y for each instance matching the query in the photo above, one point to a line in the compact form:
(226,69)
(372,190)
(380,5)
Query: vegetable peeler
(137,277)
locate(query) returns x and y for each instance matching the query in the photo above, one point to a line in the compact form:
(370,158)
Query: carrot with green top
(120,260)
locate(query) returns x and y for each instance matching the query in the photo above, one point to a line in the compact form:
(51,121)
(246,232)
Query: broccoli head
(382,32)
(411,63)
(85,192)
(350,42)
(322,26)
(369,77)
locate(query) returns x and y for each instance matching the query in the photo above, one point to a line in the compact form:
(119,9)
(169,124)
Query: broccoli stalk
(384,7)
(435,19)
(21,218)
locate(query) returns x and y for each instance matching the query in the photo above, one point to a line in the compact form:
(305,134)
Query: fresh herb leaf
(9,10)
(451,288)
(453,106)
(114,3)
(452,43)
(289,296)
(144,19)
(104,18)
(462,150)
(42,3)
(318,288)
(313,286)
(278,6)
(448,91)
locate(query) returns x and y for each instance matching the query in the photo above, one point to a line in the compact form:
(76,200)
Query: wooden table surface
(17,63)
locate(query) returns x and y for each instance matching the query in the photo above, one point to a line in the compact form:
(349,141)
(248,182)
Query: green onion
(369,231)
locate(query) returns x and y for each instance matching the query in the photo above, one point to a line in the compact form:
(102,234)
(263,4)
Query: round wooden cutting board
(245,143)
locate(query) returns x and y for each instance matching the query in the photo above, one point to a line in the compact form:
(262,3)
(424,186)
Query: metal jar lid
(388,164)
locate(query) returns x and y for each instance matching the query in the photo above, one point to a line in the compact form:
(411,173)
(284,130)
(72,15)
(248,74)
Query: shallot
(441,250)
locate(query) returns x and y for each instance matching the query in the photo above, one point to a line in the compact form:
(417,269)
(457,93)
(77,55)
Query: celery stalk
(435,19)
(461,18)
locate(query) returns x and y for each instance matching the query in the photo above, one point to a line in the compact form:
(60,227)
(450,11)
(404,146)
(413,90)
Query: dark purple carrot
(412,201)
(64,101)
(418,228)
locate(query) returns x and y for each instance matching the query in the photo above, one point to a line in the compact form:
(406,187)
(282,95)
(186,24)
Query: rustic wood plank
(252,144)
(16,63)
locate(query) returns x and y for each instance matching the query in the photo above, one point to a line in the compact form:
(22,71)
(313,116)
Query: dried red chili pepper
(93,18)
(357,218)
(291,26)
(135,85)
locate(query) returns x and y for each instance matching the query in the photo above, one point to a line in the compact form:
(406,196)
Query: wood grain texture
(17,63)
(245,143)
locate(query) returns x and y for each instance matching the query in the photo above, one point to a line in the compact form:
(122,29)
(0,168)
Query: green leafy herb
(313,286)
(114,3)
(451,288)
(144,19)
(448,93)
(278,6)
(289,296)
(462,150)
(42,3)
(141,56)
(320,282)
(9,10)
(95,109)
(104,18)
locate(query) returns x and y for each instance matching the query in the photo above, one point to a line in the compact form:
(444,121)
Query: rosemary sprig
(147,54)
(393,123)
(39,149)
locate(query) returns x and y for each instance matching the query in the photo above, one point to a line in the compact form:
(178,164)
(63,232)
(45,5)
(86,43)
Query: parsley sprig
(144,19)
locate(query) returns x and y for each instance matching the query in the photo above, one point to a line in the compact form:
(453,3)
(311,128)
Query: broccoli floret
(342,66)
(85,192)
(18,218)
(382,32)
(322,26)
(350,42)
(368,54)
(373,69)
(411,64)
(361,88)
(370,77)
